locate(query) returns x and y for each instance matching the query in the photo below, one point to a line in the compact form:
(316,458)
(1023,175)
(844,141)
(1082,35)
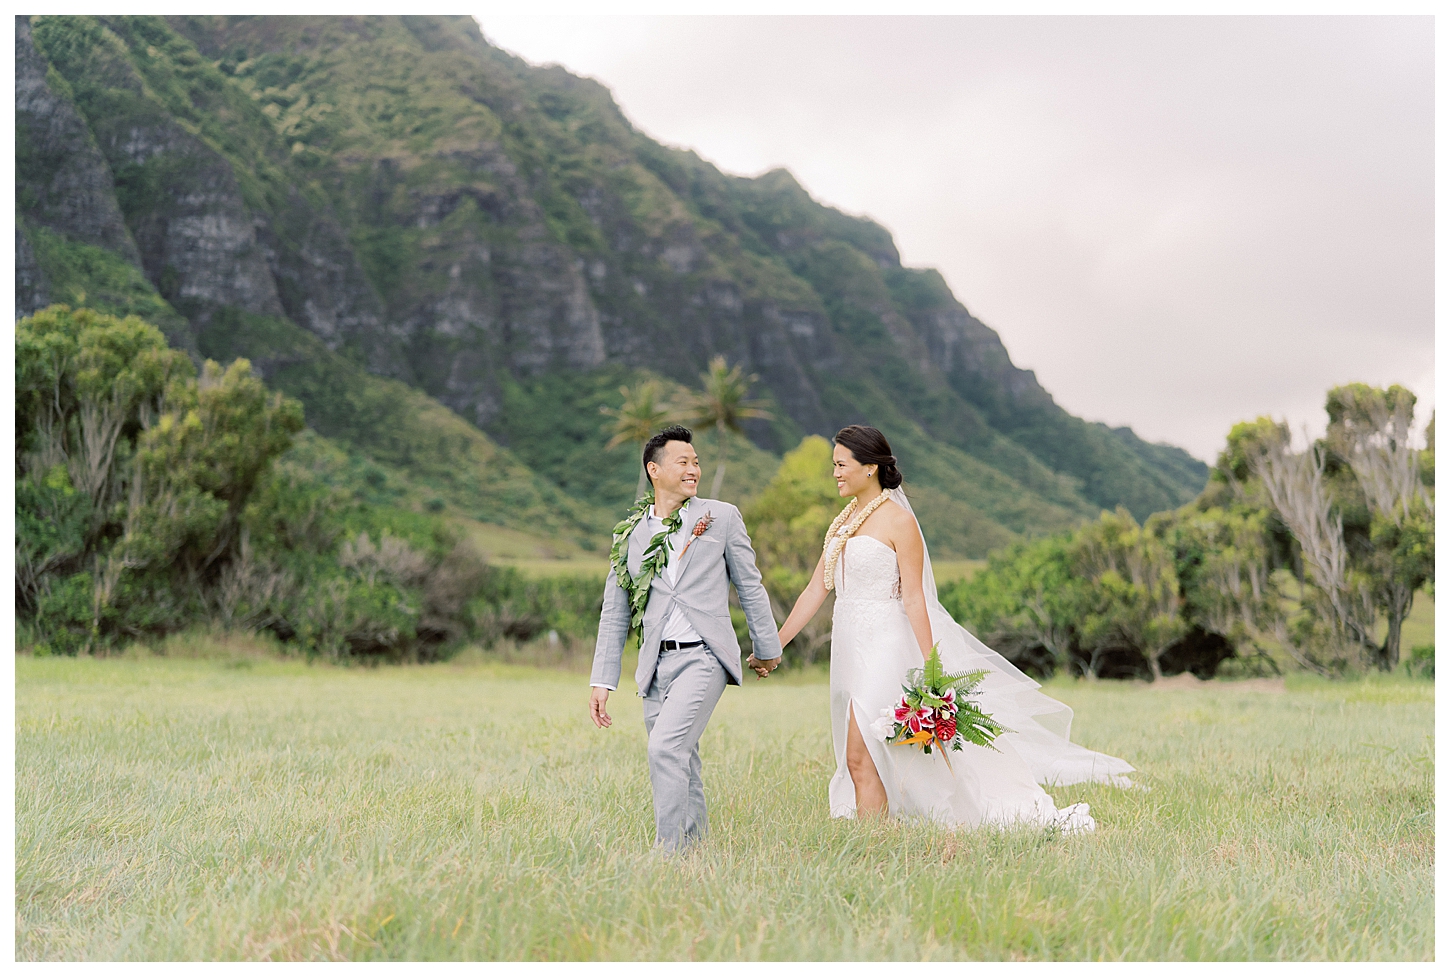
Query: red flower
(946,729)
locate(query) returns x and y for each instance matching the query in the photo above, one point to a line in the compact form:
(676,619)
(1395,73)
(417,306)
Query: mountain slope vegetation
(453,259)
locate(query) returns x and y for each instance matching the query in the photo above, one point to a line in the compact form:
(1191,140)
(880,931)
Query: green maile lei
(656,554)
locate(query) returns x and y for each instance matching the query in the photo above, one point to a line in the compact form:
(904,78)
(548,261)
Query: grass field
(947,570)
(256,809)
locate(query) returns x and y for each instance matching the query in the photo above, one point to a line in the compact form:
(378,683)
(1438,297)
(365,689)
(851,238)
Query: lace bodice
(867,570)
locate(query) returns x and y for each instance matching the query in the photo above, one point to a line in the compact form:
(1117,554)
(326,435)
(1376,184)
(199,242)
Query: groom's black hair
(675,432)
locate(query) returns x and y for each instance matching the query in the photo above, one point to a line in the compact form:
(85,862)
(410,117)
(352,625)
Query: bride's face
(852,477)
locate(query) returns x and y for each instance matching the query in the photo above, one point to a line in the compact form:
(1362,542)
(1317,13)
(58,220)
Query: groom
(688,652)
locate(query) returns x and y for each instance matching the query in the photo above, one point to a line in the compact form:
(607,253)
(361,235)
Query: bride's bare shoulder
(896,517)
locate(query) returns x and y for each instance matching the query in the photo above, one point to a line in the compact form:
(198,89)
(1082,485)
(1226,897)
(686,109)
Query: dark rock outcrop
(62,180)
(31,292)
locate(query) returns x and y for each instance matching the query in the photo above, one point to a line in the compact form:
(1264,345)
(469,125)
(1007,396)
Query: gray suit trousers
(688,683)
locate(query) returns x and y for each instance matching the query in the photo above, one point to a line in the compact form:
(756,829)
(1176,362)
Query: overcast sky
(1178,223)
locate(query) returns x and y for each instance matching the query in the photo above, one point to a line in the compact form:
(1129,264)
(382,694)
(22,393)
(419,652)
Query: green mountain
(454,259)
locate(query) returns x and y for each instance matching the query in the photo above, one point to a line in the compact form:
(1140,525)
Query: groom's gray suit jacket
(701,589)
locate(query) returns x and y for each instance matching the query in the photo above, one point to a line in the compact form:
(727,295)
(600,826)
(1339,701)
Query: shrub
(1421,661)
(512,606)
(787,523)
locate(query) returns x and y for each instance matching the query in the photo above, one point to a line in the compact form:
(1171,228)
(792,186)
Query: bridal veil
(1040,725)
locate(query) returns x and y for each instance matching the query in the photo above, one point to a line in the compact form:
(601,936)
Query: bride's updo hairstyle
(869,447)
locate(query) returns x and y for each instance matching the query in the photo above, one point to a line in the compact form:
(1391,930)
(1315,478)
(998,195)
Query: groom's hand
(597,698)
(762,667)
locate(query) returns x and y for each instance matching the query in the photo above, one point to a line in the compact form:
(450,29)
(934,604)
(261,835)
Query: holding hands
(763,667)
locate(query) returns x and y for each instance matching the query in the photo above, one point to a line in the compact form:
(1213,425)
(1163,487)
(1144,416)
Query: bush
(1421,661)
(514,607)
(65,613)
(787,523)
(148,502)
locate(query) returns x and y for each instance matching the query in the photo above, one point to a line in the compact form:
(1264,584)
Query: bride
(887,617)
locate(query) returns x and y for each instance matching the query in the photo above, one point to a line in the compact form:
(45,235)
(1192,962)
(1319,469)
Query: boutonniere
(699,530)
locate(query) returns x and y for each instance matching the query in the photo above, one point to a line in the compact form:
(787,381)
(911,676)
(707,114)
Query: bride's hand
(762,668)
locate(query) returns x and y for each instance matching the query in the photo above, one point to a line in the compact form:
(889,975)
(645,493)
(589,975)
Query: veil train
(1040,724)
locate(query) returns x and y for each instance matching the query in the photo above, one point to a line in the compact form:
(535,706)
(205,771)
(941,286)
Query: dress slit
(875,750)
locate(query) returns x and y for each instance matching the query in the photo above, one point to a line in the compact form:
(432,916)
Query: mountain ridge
(437,212)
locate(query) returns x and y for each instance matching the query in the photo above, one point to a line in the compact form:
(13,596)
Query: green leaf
(932,673)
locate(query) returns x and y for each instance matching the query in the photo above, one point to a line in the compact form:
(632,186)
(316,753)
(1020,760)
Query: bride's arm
(806,604)
(909,556)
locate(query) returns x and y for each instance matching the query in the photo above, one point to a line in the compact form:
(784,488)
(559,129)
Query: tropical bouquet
(937,710)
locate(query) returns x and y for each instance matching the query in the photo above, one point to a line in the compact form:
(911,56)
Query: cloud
(1178,223)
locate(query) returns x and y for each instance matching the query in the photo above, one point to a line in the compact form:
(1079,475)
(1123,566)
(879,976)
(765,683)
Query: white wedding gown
(872,647)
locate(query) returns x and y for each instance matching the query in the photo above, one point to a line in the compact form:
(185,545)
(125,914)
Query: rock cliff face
(31,292)
(440,213)
(62,181)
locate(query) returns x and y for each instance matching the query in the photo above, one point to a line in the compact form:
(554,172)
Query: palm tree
(643,412)
(722,405)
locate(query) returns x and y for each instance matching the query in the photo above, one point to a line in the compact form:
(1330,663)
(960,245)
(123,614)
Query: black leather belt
(676,645)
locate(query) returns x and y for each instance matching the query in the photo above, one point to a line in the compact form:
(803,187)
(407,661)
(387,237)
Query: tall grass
(244,808)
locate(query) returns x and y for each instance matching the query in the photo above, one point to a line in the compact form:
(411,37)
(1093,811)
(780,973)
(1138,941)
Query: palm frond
(644,410)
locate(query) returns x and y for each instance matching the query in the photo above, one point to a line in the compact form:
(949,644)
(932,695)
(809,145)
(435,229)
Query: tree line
(1291,556)
(152,497)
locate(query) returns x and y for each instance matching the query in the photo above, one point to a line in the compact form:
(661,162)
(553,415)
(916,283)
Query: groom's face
(676,470)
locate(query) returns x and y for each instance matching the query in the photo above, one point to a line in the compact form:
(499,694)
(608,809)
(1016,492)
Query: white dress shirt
(677,627)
